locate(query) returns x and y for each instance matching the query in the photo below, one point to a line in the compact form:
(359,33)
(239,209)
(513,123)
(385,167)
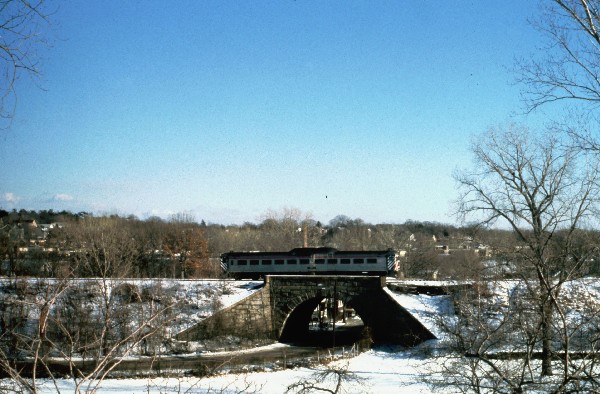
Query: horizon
(190,218)
(230,110)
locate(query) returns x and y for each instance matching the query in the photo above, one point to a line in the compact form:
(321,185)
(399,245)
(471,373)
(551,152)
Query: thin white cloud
(63,197)
(11,197)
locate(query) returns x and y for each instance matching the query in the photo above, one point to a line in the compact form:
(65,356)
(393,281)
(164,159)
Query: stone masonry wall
(248,318)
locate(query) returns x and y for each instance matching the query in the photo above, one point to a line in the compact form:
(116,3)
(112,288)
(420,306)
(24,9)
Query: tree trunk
(546,327)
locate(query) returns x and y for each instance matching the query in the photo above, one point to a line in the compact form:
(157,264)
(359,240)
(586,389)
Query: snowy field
(383,371)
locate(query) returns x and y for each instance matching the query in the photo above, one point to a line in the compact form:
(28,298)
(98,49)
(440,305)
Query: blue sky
(227,109)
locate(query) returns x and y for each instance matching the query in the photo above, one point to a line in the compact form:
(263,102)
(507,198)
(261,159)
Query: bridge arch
(295,325)
(294,298)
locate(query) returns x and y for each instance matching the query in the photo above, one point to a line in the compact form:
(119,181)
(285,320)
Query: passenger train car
(320,261)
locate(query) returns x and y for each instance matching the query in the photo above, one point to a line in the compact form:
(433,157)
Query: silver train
(303,261)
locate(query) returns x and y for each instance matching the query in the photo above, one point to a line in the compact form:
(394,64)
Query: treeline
(59,244)
(45,216)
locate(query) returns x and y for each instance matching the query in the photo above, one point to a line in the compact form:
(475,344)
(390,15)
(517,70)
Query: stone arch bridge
(283,308)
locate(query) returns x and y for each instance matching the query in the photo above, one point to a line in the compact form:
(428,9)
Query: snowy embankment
(194,300)
(427,309)
(199,298)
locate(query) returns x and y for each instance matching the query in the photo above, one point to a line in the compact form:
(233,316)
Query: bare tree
(104,319)
(90,338)
(24,325)
(186,245)
(546,192)
(421,262)
(568,71)
(285,229)
(570,68)
(104,247)
(333,378)
(22,28)
(350,234)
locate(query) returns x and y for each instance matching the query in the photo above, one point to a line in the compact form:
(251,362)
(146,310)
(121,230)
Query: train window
(292,261)
(304,261)
(344,261)
(359,261)
(331,261)
(278,262)
(266,262)
(319,261)
(253,262)
(371,261)
(242,262)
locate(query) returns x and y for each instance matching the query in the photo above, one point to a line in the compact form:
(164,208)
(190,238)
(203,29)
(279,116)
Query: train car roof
(308,252)
(311,251)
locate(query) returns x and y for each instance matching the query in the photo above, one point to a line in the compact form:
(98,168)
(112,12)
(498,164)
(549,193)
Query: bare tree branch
(22,33)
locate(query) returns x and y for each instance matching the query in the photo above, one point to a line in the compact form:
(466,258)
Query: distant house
(484,250)
(27,229)
(47,227)
(443,249)
(26,223)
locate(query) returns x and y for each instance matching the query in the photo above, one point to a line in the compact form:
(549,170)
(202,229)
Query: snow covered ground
(383,370)
(424,307)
